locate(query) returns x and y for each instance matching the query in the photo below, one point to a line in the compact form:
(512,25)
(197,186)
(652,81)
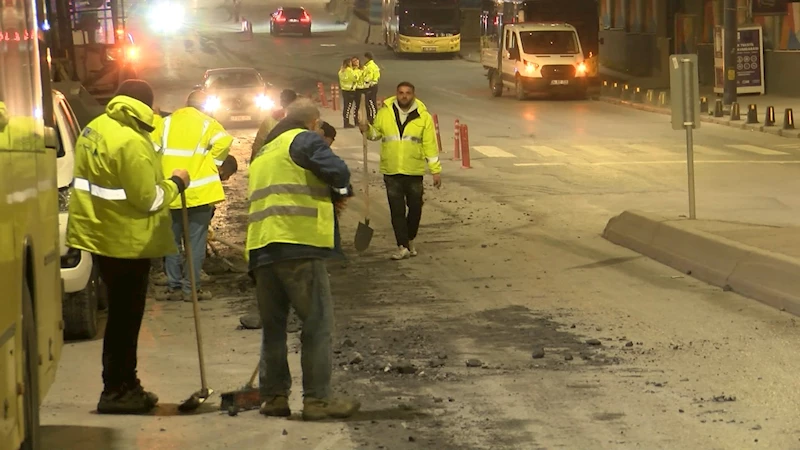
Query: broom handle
(187,248)
(365,144)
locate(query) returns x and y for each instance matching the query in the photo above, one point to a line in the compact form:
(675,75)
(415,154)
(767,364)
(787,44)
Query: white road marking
(704,150)
(644,163)
(491,151)
(597,150)
(756,149)
(543,150)
(788,145)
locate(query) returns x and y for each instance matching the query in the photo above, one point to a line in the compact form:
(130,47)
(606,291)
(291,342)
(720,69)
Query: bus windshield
(549,42)
(430,22)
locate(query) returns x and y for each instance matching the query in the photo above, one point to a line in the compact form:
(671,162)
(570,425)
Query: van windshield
(549,42)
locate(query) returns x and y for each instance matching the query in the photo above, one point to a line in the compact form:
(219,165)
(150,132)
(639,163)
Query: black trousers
(405,205)
(352,103)
(126,281)
(371,97)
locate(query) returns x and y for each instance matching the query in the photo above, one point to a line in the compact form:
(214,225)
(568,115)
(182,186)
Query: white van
(84,292)
(537,57)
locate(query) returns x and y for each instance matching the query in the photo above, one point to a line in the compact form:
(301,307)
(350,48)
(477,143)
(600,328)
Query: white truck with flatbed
(544,57)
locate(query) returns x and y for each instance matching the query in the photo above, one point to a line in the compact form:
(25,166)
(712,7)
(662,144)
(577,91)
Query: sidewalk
(758,261)
(761,102)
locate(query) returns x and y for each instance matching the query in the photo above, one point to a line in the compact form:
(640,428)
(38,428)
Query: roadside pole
(685,89)
(729,52)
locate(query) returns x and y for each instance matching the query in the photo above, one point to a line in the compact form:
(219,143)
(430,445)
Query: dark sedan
(290,20)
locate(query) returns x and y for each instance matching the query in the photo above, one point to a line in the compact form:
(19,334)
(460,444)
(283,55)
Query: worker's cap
(137,89)
(328,130)
(196,99)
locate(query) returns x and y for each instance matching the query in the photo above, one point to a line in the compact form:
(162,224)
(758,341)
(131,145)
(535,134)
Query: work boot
(201,296)
(160,279)
(412,249)
(277,406)
(329,408)
(169,295)
(401,253)
(204,277)
(151,397)
(126,401)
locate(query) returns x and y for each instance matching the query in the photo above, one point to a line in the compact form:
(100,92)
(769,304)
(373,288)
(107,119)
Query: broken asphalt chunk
(474,363)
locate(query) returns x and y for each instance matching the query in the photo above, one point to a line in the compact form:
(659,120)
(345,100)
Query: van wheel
(496,84)
(519,90)
(80,310)
(30,346)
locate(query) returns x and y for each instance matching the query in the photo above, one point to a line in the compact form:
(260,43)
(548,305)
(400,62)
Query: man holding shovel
(409,140)
(292,230)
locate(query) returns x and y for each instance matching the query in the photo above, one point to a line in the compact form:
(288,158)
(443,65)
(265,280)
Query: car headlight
(63,199)
(167,17)
(581,69)
(212,104)
(264,102)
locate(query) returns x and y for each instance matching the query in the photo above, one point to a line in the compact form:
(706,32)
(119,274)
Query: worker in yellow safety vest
(371,75)
(405,127)
(292,230)
(348,80)
(119,212)
(190,138)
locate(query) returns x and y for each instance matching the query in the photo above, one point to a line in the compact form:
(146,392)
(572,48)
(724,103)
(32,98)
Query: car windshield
(292,13)
(429,22)
(229,80)
(549,42)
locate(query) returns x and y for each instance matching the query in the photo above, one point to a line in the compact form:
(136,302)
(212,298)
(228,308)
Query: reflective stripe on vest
(184,153)
(83,184)
(203,181)
(288,189)
(404,138)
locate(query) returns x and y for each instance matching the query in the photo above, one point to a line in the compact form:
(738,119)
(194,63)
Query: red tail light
(279,17)
(305,18)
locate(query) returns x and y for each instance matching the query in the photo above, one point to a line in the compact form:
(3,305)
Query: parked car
(84,291)
(237,95)
(290,20)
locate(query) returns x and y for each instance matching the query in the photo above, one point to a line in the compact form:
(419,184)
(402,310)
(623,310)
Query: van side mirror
(51,141)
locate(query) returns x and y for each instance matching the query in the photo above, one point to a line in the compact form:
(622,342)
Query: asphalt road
(511,262)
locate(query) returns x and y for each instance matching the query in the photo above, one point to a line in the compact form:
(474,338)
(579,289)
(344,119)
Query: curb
(771,278)
(739,124)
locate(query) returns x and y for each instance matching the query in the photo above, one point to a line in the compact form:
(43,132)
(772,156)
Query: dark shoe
(348,125)
(329,408)
(151,397)
(277,406)
(126,401)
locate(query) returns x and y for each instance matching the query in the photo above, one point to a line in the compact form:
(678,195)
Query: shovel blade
(197,399)
(363,236)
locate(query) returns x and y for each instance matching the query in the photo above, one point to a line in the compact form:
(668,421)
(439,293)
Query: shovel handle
(365,144)
(187,249)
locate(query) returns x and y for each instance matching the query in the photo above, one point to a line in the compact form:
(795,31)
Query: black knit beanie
(138,89)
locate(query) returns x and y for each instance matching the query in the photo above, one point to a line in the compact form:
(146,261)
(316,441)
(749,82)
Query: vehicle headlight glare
(581,68)
(167,17)
(212,104)
(264,102)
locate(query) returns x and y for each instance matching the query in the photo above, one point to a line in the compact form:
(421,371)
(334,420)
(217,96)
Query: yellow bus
(422,26)
(31,324)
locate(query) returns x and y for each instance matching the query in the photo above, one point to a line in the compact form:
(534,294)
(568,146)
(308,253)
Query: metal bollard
(718,110)
(735,111)
(457,141)
(769,118)
(752,113)
(322,99)
(465,147)
(651,97)
(704,105)
(636,95)
(663,99)
(626,92)
(616,90)
(788,119)
(605,88)
(438,135)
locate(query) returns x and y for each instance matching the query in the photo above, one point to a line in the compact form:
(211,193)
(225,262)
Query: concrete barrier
(376,35)
(768,277)
(357,29)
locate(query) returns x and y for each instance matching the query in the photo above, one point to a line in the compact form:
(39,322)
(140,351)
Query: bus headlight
(212,104)
(264,102)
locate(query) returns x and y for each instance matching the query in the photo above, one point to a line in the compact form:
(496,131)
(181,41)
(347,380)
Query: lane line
(543,150)
(649,149)
(756,149)
(596,150)
(491,151)
(644,163)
